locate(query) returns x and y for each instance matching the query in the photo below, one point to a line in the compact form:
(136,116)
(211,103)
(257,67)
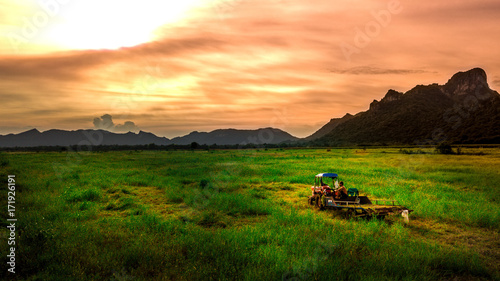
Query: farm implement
(336,197)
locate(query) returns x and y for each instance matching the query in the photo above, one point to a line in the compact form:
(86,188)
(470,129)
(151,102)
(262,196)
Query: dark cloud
(55,66)
(360,70)
(106,123)
(73,64)
(459,12)
(128,126)
(6,98)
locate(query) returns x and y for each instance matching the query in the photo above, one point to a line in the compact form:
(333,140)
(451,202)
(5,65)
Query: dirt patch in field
(127,200)
(156,201)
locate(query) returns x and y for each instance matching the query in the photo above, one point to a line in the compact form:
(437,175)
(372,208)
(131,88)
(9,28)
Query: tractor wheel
(349,213)
(311,200)
(318,203)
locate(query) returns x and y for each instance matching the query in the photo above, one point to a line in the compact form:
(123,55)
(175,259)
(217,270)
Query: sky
(172,67)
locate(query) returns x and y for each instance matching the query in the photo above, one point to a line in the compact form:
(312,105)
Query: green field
(243,215)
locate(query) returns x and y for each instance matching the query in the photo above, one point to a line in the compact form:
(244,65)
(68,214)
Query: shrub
(204,183)
(444,148)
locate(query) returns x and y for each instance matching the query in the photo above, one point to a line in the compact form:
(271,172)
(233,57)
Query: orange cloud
(252,64)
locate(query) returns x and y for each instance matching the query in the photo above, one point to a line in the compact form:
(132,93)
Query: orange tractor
(328,193)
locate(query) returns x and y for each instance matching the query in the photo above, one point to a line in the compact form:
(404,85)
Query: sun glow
(113,24)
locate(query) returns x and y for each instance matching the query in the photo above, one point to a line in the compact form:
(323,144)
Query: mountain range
(34,138)
(233,136)
(464,110)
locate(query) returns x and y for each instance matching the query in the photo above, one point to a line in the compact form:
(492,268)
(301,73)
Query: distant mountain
(329,127)
(233,136)
(464,110)
(34,138)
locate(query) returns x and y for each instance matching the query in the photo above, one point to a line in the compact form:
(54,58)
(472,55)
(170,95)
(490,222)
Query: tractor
(327,194)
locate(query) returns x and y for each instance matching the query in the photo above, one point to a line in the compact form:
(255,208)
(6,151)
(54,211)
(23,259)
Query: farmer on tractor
(341,192)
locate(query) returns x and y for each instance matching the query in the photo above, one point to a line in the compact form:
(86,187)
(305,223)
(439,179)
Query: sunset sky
(172,67)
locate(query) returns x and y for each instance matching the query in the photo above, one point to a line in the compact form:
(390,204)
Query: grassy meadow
(243,215)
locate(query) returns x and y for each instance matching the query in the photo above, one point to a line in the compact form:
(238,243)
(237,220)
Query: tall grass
(242,215)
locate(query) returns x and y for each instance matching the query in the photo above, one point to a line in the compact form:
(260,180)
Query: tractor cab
(325,184)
